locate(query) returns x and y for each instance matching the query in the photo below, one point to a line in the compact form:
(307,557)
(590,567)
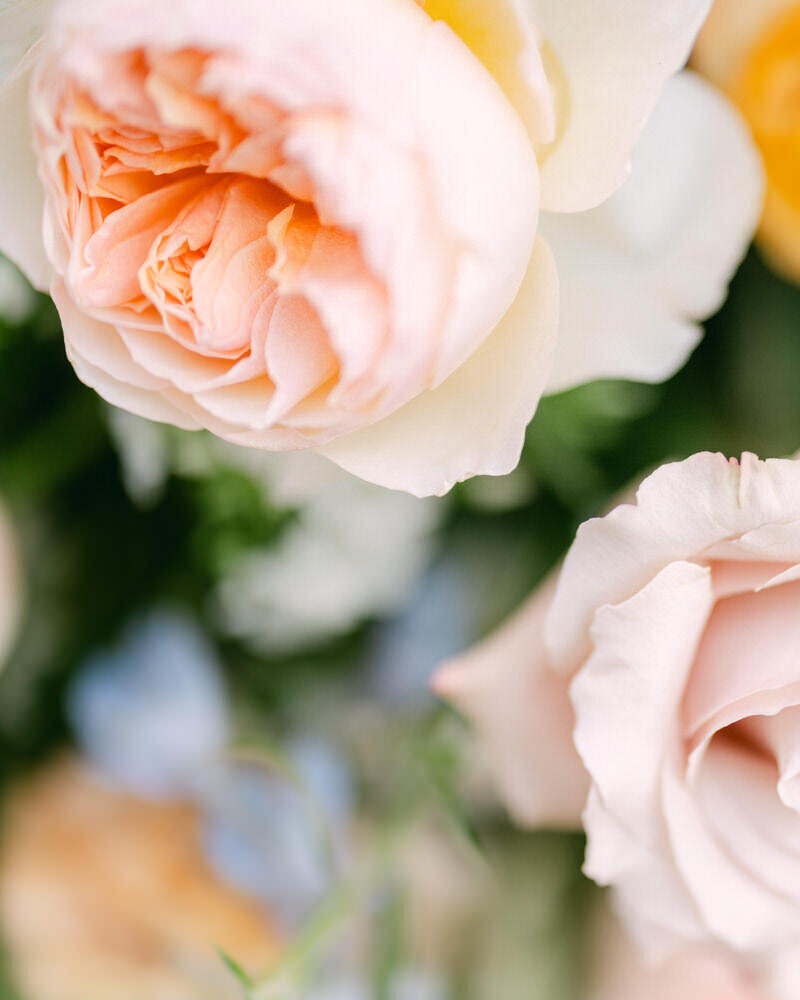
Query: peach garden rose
(675,625)
(379,229)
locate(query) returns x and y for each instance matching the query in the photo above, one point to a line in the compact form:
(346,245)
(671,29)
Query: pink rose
(620,972)
(676,625)
(325,225)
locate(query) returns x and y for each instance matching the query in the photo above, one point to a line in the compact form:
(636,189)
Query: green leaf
(236,969)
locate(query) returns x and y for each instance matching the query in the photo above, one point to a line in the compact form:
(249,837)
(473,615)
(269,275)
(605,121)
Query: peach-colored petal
(171,362)
(474,423)
(234,270)
(298,360)
(115,253)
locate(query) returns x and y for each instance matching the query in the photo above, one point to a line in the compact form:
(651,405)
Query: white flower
(354,552)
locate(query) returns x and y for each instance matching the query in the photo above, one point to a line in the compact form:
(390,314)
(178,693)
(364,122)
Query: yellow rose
(751,48)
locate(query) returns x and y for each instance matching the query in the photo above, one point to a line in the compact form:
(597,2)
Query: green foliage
(95,558)
(237,972)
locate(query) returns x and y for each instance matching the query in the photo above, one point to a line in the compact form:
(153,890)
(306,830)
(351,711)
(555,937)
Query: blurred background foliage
(105,539)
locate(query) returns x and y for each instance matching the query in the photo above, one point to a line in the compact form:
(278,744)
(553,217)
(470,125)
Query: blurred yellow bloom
(751,48)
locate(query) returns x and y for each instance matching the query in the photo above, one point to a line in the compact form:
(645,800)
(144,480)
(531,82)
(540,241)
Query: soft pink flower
(676,621)
(619,971)
(317,224)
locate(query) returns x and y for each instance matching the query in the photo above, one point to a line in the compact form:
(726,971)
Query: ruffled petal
(628,694)
(474,422)
(682,510)
(724,859)
(130,387)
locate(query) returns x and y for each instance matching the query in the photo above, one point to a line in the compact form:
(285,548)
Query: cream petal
(681,510)
(524,719)
(99,344)
(21,194)
(142,402)
(640,272)
(612,59)
(474,422)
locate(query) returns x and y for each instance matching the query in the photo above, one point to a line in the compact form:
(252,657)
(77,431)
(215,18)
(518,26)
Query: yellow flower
(751,48)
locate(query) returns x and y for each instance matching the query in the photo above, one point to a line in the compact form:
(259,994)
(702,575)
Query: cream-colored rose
(329,225)
(676,626)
